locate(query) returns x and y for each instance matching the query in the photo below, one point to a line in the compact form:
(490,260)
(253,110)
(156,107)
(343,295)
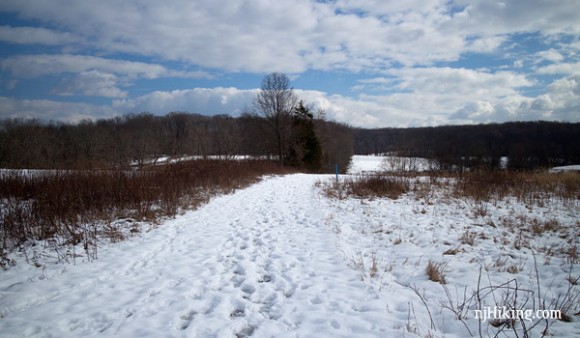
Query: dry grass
(436,272)
(468,238)
(452,251)
(527,187)
(376,185)
(374,268)
(539,227)
(68,204)
(573,280)
(482,186)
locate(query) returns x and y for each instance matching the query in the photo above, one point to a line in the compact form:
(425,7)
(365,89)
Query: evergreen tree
(306,150)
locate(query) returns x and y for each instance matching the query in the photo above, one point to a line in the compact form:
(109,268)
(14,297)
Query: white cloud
(52,110)
(441,91)
(561,68)
(362,36)
(439,97)
(551,55)
(88,75)
(460,82)
(31,66)
(489,18)
(293,36)
(415,97)
(485,44)
(429,96)
(561,102)
(207,101)
(233,101)
(366,111)
(37,35)
(91,83)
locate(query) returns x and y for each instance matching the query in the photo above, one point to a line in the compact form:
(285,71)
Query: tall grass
(539,188)
(527,187)
(369,185)
(67,204)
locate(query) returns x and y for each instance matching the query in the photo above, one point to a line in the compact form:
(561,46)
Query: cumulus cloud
(91,83)
(489,18)
(460,81)
(561,68)
(362,111)
(207,101)
(48,110)
(37,35)
(427,106)
(233,101)
(561,102)
(292,36)
(411,46)
(447,95)
(88,75)
(31,66)
(551,55)
(431,95)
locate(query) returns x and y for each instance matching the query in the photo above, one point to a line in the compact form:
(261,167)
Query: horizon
(370,65)
(45,122)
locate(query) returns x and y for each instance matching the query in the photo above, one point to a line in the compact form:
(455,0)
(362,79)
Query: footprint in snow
(245,332)
(239,310)
(289,292)
(186,319)
(238,280)
(237,313)
(248,288)
(239,270)
(265,279)
(316,300)
(213,304)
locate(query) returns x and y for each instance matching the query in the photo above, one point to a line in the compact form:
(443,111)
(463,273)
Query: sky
(365,63)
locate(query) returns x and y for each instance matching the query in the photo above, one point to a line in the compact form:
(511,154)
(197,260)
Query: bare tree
(225,136)
(176,128)
(275,102)
(142,134)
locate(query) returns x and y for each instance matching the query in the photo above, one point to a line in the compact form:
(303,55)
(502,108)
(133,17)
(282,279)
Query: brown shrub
(378,185)
(61,203)
(528,187)
(436,272)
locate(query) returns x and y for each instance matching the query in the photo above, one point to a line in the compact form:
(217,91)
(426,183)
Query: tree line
(527,145)
(137,139)
(278,126)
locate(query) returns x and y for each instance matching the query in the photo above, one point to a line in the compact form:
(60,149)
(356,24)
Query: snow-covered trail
(261,262)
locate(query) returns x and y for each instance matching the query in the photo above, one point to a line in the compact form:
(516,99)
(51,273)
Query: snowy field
(281,259)
(366,164)
(567,168)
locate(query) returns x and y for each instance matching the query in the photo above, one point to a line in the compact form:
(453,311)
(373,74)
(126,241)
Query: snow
(362,164)
(401,236)
(259,262)
(173,159)
(566,168)
(281,259)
